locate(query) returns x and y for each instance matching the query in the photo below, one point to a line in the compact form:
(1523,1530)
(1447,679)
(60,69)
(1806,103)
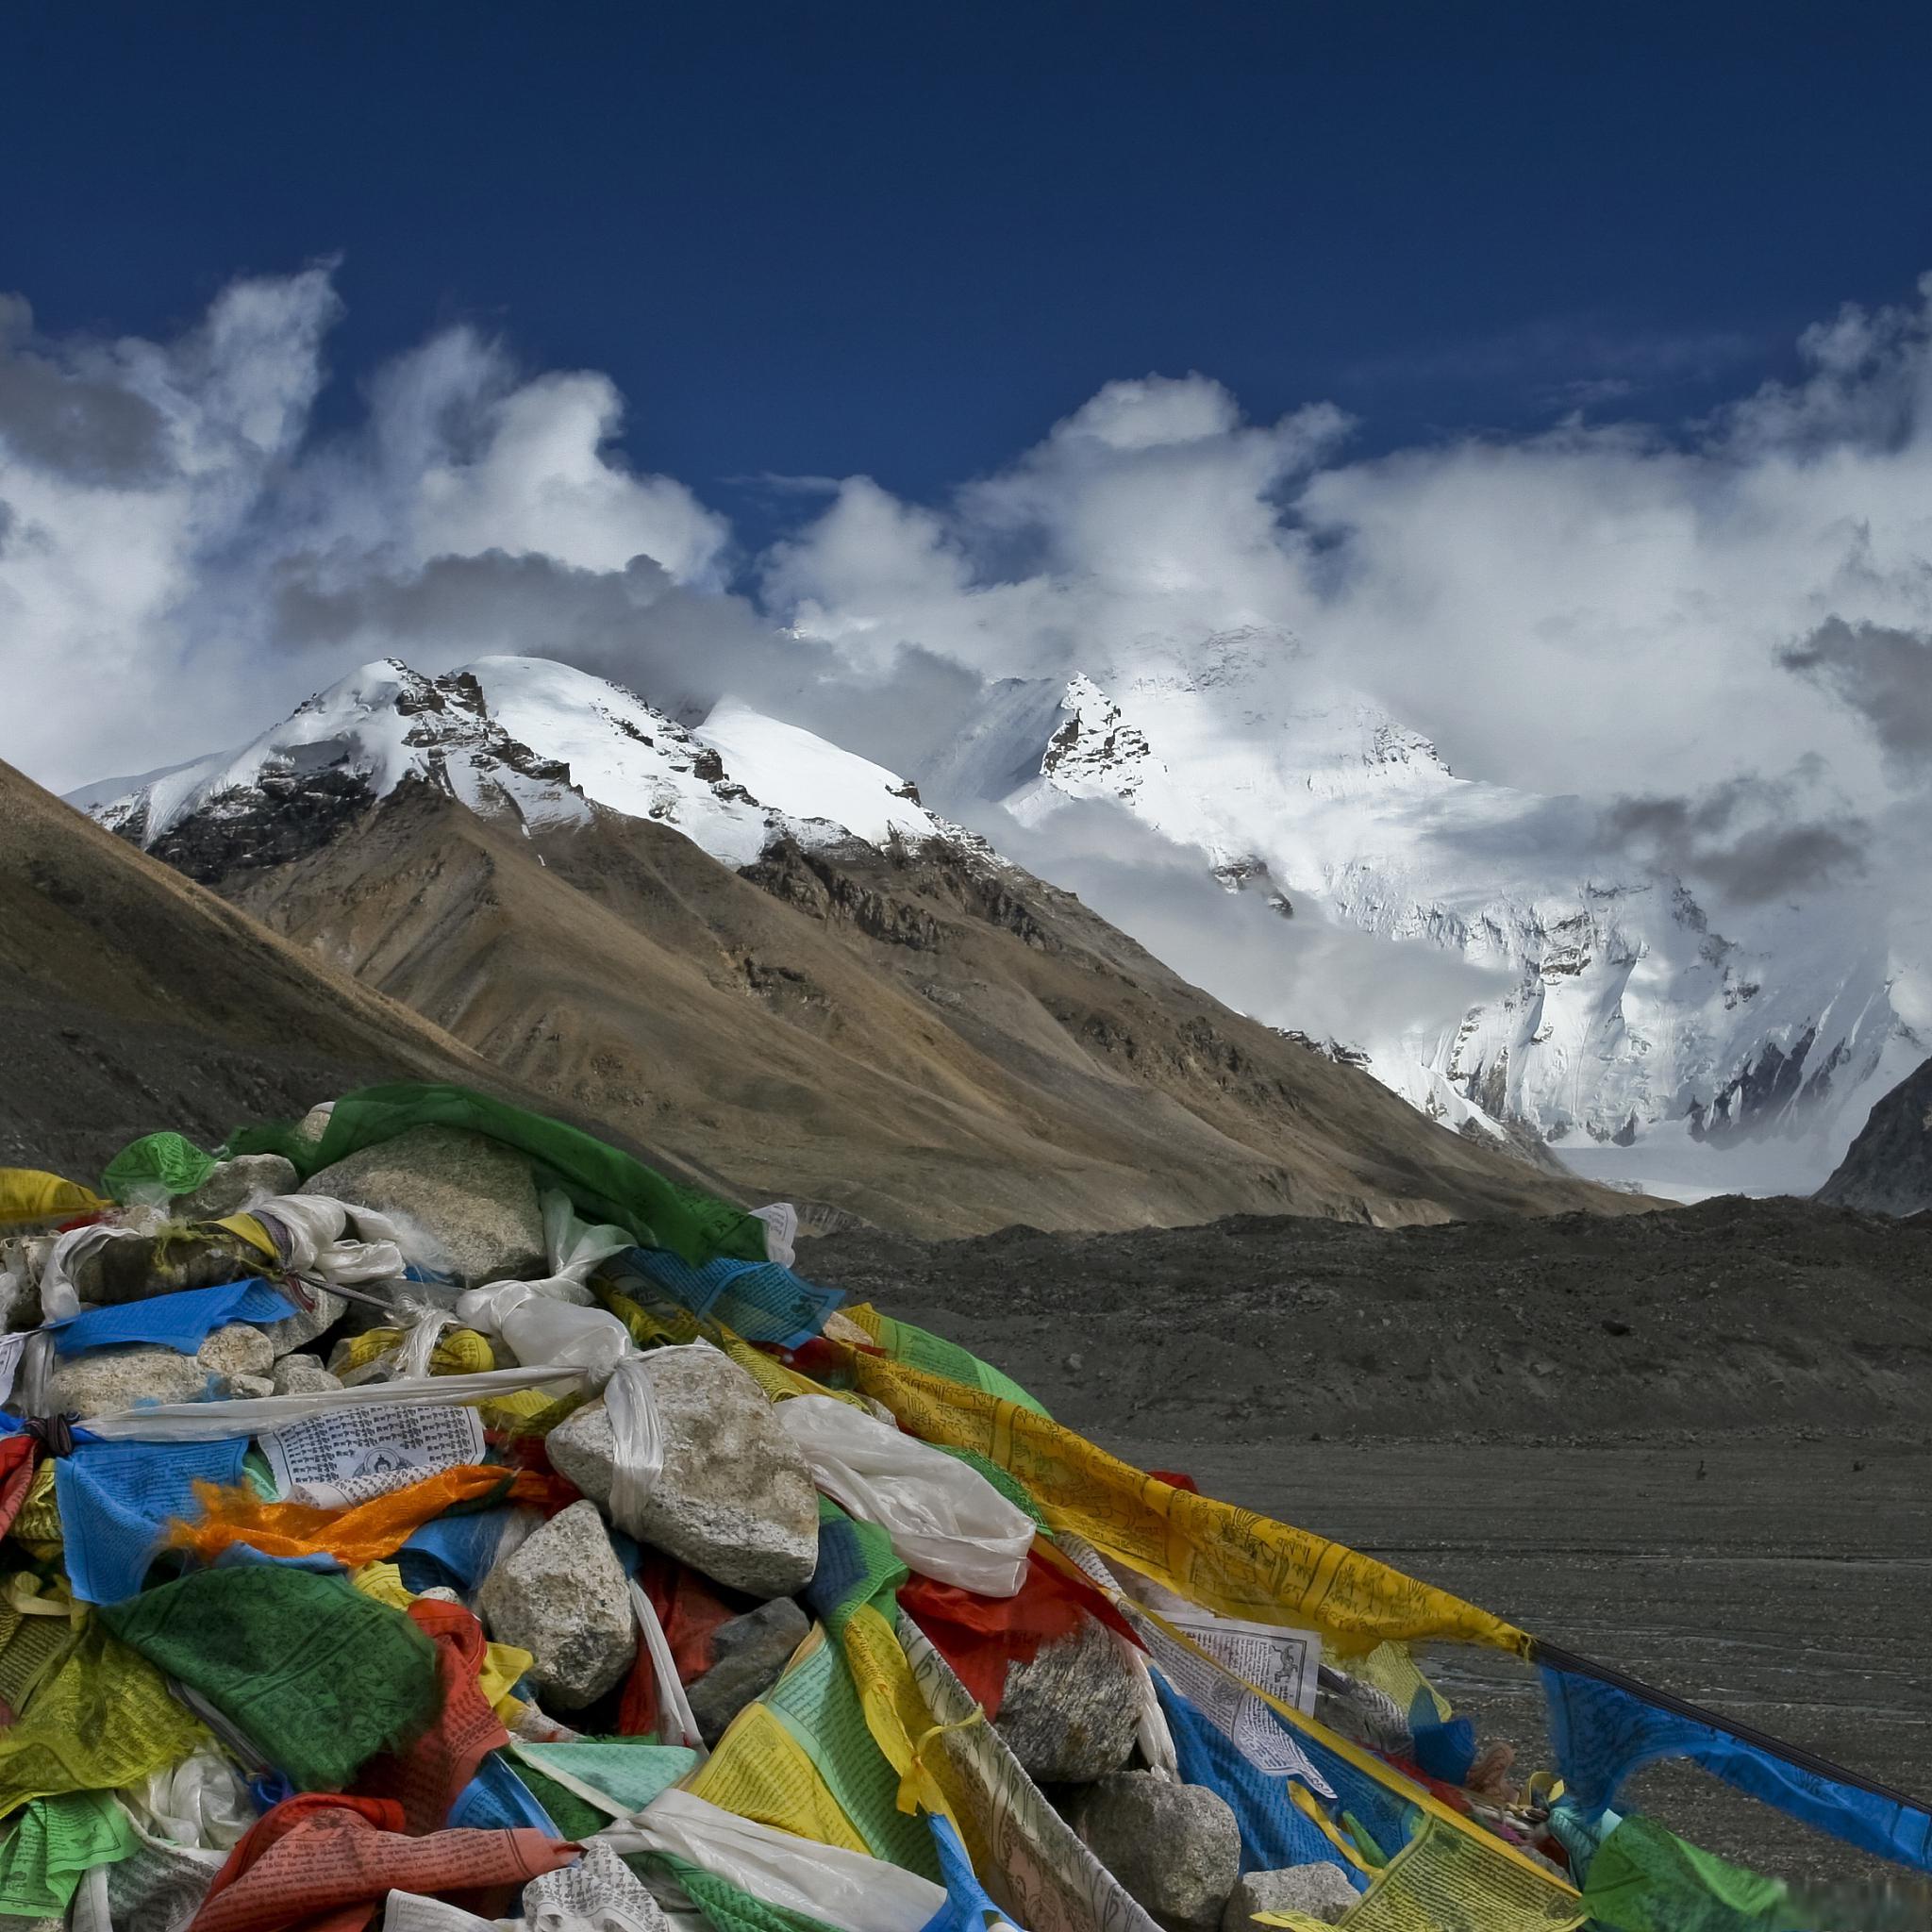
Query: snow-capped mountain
(524,738)
(1626,1013)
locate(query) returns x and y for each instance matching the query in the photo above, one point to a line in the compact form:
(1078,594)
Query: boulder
(246,1388)
(748,1654)
(475,1198)
(734,1499)
(299,1329)
(230,1184)
(1070,1714)
(1176,1848)
(303,1374)
(238,1349)
(562,1595)
(1316,1892)
(131,1267)
(20,1292)
(107,1379)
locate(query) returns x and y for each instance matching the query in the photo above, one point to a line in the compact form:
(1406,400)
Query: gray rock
(299,1329)
(107,1379)
(1070,1714)
(1316,1892)
(303,1374)
(232,1184)
(735,1498)
(562,1596)
(20,1294)
(748,1654)
(1176,1848)
(475,1197)
(246,1388)
(236,1349)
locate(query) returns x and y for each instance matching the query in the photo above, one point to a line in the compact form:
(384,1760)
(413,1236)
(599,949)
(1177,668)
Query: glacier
(1647,1036)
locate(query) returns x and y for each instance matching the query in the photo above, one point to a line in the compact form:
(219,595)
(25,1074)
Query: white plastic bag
(313,1232)
(539,1329)
(637,1441)
(946,1520)
(575,1248)
(847,1890)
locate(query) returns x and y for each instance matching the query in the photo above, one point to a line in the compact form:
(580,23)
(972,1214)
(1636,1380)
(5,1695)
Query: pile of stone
(413,1231)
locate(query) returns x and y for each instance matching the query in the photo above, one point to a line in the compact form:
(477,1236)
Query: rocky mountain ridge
(744,936)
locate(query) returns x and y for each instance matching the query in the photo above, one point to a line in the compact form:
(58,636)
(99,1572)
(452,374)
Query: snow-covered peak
(539,743)
(1628,1019)
(779,761)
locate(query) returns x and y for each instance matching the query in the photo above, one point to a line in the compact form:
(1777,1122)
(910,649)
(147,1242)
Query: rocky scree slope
(869,1012)
(1789,1317)
(132,999)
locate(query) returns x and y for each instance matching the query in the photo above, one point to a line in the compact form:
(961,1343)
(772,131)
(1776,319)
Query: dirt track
(1451,1399)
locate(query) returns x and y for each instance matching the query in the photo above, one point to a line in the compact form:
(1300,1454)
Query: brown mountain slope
(923,1039)
(132,999)
(1888,1169)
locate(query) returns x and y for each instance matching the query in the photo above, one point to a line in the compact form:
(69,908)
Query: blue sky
(1562,376)
(900,239)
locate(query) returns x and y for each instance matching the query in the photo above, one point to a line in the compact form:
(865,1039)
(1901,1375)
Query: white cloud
(156,499)
(1601,609)
(1664,616)
(1153,508)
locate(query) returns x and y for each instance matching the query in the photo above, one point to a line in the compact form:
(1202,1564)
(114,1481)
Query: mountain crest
(523,739)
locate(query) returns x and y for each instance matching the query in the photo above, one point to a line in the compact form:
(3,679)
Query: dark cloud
(1750,838)
(1882,673)
(80,426)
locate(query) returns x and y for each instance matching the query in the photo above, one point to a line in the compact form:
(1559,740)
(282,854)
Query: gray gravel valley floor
(1518,1411)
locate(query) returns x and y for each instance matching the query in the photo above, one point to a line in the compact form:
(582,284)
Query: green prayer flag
(318,1676)
(605,1184)
(54,1842)
(630,1771)
(1645,1880)
(169,1161)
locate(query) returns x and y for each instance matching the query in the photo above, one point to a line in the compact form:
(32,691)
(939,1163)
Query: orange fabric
(326,1863)
(365,1534)
(427,1778)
